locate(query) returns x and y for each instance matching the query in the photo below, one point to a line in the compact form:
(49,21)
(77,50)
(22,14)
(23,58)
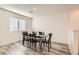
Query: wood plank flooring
(18,49)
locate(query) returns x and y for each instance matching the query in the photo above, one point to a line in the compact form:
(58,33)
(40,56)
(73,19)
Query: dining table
(38,38)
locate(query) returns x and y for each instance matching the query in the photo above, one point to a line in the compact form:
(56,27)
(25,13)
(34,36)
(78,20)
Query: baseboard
(59,43)
(11,42)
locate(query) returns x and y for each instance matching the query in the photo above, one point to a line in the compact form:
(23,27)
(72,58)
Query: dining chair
(33,32)
(41,33)
(26,37)
(24,34)
(47,41)
(33,40)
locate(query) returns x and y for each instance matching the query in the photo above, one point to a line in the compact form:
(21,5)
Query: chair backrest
(41,33)
(50,36)
(25,33)
(32,36)
(33,32)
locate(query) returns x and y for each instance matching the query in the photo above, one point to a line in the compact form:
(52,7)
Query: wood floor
(18,49)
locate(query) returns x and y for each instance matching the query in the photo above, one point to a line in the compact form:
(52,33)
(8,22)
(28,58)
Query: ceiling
(41,9)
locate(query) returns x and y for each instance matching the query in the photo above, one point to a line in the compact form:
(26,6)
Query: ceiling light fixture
(34,9)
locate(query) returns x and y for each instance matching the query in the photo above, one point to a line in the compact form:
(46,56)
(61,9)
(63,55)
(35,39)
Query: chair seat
(28,40)
(34,40)
(45,41)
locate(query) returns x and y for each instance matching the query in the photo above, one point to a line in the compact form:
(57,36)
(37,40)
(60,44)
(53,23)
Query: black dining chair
(33,32)
(41,33)
(33,40)
(25,37)
(24,34)
(47,41)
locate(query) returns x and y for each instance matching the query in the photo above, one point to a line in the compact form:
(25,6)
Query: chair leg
(23,41)
(35,46)
(41,47)
(30,44)
(48,47)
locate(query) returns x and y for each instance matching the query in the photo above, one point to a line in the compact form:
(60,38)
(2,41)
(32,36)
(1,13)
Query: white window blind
(13,24)
(17,24)
(21,25)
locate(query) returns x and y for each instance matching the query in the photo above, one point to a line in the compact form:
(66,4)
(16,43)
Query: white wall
(56,23)
(73,41)
(63,25)
(6,36)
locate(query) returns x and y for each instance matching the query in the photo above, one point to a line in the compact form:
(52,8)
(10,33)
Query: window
(21,25)
(17,24)
(13,24)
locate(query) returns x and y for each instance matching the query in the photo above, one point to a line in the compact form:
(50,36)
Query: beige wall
(74,27)
(6,36)
(56,23)
(74,19)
